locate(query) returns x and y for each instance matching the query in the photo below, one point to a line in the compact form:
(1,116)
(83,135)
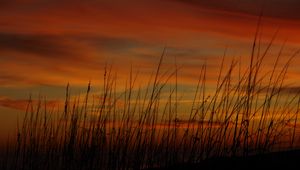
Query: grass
(249,112)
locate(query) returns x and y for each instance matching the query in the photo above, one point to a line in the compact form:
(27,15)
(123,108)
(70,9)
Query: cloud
(287,9)
(65,47)
(288,90)
(4,79)
(36,57)
(60,41)
(21,104)
(54,59)
(42,45)
(110,43)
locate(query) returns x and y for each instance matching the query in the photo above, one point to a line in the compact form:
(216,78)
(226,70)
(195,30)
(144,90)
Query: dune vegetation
(248,112)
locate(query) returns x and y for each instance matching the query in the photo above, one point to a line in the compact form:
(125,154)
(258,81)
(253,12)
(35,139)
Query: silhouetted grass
(248,113)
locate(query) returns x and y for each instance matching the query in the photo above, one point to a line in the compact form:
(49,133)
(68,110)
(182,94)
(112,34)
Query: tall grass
(249,112)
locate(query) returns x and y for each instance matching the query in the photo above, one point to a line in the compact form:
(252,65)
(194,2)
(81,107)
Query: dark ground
(277,160)
(283,160)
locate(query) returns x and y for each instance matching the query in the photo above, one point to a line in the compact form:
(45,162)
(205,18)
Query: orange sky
(44,44)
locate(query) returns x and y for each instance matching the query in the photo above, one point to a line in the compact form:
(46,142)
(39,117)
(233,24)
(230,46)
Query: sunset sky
(44,44)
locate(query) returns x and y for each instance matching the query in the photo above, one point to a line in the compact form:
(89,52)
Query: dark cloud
(289,90)
(42,45)
(46,58)
(272,8)
(62,46)
(279,90)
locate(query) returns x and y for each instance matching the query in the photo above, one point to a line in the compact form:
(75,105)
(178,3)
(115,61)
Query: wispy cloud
(20,104)
(287,9)
(60,41)
(41,45)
